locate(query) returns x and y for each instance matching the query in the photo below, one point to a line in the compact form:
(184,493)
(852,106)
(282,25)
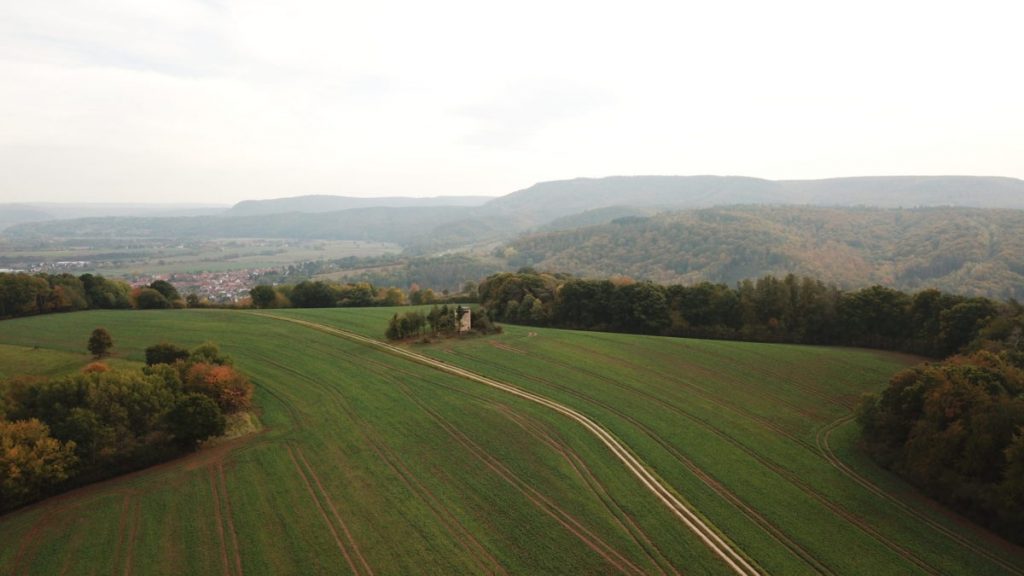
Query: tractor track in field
(455,528)
(703,369)
(29,543)
(230,519)
(541,502)
(386,373)
(700,527)
(506,410)
(641,538)
(780,470)
(215,494)
(323,513)
(133,536)
(710,481)
(68,566)
(820,448)
(483,558)
(826,450)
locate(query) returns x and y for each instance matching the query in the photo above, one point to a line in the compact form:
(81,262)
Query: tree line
(59,433)
(326,294)
(24,294)
(770,309)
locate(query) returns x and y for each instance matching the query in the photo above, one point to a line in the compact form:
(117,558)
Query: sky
(217,101)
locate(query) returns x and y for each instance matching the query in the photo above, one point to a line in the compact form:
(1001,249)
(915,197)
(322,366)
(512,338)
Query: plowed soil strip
(323,513)
(726,551)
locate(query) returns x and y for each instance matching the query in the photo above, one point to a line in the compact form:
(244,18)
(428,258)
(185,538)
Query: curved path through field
(726,551)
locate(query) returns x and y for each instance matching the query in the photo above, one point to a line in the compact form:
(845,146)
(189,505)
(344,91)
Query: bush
(195,418)
(100,342)
(164,353)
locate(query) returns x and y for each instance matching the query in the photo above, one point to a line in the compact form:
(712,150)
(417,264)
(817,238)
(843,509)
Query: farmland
(374,463)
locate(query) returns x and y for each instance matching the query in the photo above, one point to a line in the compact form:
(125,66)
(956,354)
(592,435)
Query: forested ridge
(963,250)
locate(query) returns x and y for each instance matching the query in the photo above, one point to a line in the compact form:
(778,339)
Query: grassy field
(374,464)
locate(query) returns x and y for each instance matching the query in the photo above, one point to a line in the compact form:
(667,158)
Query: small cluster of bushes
(59,433)
(440,321)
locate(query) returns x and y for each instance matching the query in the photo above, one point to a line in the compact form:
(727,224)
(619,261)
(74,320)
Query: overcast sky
(221,100)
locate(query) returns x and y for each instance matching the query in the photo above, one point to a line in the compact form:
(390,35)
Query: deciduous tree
(100,342)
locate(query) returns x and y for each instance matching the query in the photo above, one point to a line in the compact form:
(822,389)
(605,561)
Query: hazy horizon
(214,102)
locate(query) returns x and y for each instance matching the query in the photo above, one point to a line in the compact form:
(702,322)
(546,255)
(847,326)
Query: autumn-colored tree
(100,342)
(31,461)
(223,384)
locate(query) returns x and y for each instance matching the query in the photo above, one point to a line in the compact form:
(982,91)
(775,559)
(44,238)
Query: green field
(374,463)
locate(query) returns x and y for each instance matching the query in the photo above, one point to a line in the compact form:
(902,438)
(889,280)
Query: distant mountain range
(451,221)
(320,204)
(11,214)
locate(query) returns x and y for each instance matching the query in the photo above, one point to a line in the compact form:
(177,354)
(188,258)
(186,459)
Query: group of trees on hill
(440,321)
(769,309)
(62,432)
(24,294)
(956,430)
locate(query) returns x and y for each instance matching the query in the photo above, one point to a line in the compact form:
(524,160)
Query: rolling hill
(465,457)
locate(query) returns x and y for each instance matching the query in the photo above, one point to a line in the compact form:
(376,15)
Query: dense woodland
(63,432)
(956,430)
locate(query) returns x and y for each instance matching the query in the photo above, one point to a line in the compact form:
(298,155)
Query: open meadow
(558,452)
